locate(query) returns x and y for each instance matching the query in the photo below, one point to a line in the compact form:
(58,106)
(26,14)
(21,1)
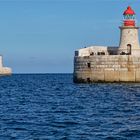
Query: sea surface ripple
(52,107)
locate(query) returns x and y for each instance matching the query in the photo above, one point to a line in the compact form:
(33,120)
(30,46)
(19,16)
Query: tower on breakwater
(110,63)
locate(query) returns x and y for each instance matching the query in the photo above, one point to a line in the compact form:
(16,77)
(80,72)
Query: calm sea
(52,107)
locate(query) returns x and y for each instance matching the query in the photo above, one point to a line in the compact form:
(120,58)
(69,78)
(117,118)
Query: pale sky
(40,36)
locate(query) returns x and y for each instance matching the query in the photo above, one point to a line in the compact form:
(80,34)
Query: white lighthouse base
(4,70)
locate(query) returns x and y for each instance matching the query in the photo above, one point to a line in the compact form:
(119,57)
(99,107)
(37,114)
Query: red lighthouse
(129,17)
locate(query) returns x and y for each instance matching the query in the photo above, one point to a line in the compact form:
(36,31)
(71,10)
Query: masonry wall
(107,68)
(129,35)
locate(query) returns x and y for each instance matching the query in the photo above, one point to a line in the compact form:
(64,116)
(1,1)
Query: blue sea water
(52,107)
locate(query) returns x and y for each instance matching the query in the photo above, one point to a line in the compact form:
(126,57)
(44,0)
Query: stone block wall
(107,68)
(129,35)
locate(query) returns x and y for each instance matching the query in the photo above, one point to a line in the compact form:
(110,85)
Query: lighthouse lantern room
(129,17)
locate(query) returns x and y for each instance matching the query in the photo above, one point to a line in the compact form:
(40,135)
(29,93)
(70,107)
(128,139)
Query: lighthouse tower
(129,40)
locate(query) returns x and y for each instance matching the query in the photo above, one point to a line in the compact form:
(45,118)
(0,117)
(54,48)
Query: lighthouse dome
(129,11)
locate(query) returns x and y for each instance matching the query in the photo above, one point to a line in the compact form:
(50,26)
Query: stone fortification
(111,64)
(115,68)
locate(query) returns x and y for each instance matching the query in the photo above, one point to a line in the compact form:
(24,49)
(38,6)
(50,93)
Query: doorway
(129,48)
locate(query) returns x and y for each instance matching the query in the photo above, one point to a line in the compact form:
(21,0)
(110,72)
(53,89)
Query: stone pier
(107,68)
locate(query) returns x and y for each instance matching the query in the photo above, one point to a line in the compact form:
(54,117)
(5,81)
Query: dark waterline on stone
(51,106)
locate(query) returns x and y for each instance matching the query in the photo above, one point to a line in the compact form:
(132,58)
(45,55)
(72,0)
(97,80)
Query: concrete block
(123,65)
(123,69)
(127,76)
(131,67)
(138,76)
(123,58)
(112,76)
(109,69)
(116,63)
(135,59)
(97,76)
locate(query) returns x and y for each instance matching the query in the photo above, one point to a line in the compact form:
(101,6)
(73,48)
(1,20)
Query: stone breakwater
(5,71)
(106,68)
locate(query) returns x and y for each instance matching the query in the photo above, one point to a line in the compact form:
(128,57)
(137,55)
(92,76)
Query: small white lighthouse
(129,40)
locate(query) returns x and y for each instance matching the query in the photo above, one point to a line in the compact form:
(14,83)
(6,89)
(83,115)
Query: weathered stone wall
(128,35)
(107,68)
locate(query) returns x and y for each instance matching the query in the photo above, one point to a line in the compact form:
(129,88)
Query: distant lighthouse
(129,40)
